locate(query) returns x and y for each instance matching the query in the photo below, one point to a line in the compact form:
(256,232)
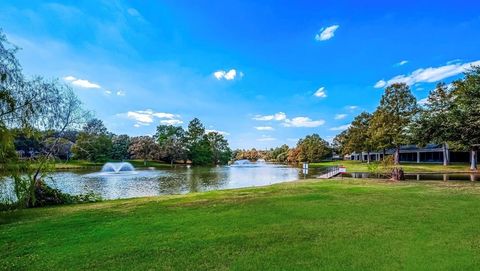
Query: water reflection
(180,180)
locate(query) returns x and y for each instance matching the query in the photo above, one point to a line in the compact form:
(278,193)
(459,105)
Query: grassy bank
(320,225)
(357,166)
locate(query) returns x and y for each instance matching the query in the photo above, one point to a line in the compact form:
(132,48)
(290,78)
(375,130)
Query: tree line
(44,120)
(312,148)
(449,117)
(170,144)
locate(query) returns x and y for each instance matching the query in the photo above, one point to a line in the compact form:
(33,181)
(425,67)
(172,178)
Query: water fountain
(117,167)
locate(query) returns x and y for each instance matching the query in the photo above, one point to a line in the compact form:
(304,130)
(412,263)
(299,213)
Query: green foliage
(172,142)
(201,153)
(144,148)
(313,148)
(340,143)
(278,154)
(465,113)
(93,142)
(219,148)
(358,137)
(120,144)
(391,121)
(205,149)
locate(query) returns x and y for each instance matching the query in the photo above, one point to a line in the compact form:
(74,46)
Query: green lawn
(316,225)
(357,166)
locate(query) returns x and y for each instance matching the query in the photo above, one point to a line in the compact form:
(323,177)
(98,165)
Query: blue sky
(264,72)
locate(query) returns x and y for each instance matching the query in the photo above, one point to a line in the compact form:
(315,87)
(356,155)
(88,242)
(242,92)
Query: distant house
(432,153)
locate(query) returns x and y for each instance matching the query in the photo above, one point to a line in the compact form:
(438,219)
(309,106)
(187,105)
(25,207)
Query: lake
(180,180)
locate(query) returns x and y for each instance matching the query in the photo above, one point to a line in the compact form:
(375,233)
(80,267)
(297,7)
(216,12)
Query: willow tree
(29,105)
(465,113)
(390,122)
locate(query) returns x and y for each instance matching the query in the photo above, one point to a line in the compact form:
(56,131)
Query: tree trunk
(397,156)
(368,157)
(361,157)
(473,162)
(398,174)
(445,154)
(384,152)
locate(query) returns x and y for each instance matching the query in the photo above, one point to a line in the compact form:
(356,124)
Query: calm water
(183,180)
(155,182)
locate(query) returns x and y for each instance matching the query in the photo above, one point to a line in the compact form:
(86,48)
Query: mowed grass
(308,225)
(358,166)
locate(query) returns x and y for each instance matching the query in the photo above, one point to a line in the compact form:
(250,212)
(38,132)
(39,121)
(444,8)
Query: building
(432,153)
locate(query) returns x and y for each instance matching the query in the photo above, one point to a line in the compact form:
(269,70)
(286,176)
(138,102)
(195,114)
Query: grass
(308,225)
(358,166)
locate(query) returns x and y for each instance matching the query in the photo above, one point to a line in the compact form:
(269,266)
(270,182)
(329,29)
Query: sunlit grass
(358,166)
(316,225)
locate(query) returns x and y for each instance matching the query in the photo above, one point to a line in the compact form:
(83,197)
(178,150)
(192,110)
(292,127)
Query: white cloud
(351,108)
(69,78)
(303,122)
(429,75)
(121,93)
(217,131)
(454,61)
(133,12)
(380,84)
(278,117)
(423,101)
(326,33)
(80,82)
(264,128)
(401,63)
(227,75)
(136,125)
(340,128)
(266,138)
(147,117)
(340,116)
(162,115)
(171,122)
(321,93)
(108,92)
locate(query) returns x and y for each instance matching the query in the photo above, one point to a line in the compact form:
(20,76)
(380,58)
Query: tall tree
(390,122)
(313,148)
(434,121)
(198,149)
(465,113)
(93,142)
(221,152)
(120,145)
(171,140)
(144,148)
(340,143)
(359,136)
